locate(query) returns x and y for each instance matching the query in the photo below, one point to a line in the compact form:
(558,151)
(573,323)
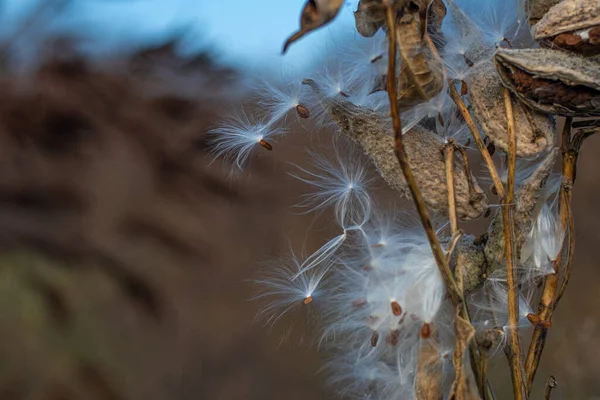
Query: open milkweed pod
(572,25)
(527,196)
(535,131)
(424,149)
(315,14)
(536,9)
(551,81)
(421,75)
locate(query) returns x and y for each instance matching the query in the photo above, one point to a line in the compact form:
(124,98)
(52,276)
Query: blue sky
(247,33)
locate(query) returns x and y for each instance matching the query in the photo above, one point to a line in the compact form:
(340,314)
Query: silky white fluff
(237,137)
(278,100)
(283,289)
(340,181)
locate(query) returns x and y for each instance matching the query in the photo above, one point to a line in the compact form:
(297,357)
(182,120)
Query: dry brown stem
(485,154)
(551,293)
(437,250)
(513,351)
(449,153)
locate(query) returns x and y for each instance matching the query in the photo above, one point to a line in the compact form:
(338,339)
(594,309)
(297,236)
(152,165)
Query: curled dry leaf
(572,25)
(369,17)
(421,74)
(527,196)
(428,380)
(535,131)
(462,387)
(373,132)
(315,14)
(551,81)
(536,9)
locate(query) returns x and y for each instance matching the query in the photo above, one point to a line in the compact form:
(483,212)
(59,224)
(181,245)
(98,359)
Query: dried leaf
(369,17)
(315,14)
(421,74)
(462,387)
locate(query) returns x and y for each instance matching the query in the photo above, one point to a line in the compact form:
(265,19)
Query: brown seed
(396,309)
(265,144)
(302,111)
(374,338)
(394,335)
(487,213)
(535,320)
(308,300)
(464,89)
(491,148)
(376,58)
(425,331)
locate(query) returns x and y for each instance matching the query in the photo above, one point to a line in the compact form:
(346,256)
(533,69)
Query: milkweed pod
(535,131)
(551,81)
(572,25)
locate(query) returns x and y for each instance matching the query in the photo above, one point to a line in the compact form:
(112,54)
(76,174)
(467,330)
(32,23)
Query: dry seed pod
(526,196)
(536,9)
(424,150)
(535,131)
(369,17)
(551,81)
(470,258)
(572,25)
(421,74)
(315,14)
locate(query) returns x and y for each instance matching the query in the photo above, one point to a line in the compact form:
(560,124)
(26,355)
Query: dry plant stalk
(514,350)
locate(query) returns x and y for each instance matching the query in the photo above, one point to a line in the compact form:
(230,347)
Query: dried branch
(485,154)
(551,295)
(513,351)
(449,153)
(437,250)
(550,384)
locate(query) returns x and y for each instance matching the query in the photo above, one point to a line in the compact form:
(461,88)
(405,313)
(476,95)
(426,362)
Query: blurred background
(127,252)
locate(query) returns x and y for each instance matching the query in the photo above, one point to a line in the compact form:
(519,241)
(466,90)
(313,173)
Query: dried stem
(550,384)
(485,154)
(474,351)
(550,295)
(449,153)
(438,253)
(513,351)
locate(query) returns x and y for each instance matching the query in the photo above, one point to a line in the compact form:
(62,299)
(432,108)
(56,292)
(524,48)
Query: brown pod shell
(536,9)
(535,131)
(551,81)
(572,25)
(369,17)
(424,149)
(421,74)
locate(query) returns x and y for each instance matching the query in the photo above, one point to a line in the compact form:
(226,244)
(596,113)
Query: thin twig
(474,350)
(438,253)
(485,154)
(549,291)
(550,384)
(513,351)
(453,242)
(449,153)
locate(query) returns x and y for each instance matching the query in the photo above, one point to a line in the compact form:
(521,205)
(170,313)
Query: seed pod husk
(535,131)
(421,74)
(571,25)
(424,149)
(369,17)
(536,9)
(526,199)
(315,14)
(551,81)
